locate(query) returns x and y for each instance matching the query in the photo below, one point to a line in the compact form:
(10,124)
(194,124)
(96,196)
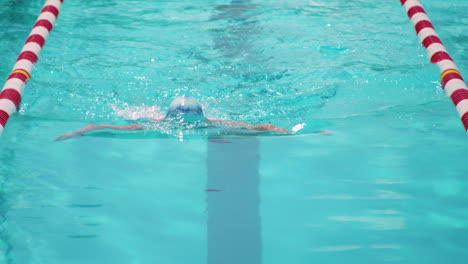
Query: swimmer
(184,109)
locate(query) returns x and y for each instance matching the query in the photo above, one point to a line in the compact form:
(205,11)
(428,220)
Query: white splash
(298,127)
(137,112)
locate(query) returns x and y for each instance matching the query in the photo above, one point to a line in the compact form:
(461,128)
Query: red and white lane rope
(10,96)
(451,79)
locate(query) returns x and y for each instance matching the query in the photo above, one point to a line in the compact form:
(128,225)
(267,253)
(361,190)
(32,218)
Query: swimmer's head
(187,108)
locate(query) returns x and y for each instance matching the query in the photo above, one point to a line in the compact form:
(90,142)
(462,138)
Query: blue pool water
(389,185)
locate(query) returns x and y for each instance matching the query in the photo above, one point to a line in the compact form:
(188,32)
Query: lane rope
(10,96)
(450,77)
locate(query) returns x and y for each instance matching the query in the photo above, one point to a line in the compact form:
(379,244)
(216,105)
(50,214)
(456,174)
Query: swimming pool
(389,184)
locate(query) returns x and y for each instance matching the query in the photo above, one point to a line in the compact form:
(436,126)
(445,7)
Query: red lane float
(451,79)
(10,96)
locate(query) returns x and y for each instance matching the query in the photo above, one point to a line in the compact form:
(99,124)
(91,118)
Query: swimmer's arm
(93,127)
(264,126)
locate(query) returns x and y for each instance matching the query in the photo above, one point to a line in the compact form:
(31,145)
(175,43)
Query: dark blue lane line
(234,225)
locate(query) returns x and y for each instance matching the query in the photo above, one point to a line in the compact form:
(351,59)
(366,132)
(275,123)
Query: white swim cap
(185,106)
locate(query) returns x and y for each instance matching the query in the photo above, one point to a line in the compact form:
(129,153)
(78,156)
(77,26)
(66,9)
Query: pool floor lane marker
(10,96)
(233,202)
(451,79)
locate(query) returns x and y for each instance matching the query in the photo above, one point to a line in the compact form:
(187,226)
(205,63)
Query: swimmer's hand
(93,127)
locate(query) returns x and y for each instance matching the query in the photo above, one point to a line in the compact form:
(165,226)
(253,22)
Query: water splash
(138,112)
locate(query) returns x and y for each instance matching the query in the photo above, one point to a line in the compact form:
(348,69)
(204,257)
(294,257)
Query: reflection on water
(380,194)
(354,247)
(377,223)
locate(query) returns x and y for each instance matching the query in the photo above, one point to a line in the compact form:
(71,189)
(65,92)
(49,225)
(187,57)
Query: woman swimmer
(184,109)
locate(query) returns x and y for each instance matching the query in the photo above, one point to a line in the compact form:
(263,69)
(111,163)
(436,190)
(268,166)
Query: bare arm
(93,127)
(264,126)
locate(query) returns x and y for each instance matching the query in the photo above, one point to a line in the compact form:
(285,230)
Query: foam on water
(138,112)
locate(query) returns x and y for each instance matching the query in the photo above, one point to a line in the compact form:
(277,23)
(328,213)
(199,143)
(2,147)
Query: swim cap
(186,106)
